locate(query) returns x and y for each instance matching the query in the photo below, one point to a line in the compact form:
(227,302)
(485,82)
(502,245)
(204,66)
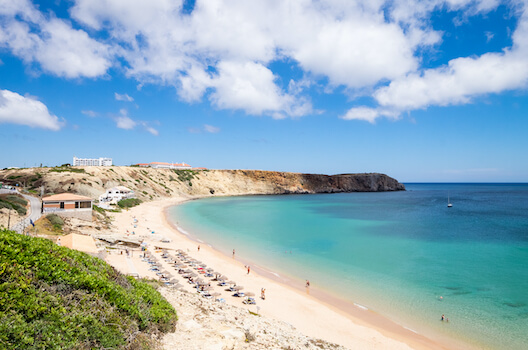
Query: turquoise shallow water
(394,252)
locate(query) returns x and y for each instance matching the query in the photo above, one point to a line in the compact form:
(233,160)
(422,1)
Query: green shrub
(16,199)
(184,175)
(129,202)
(56,221)
(14,202)
(57,298)
(63,169)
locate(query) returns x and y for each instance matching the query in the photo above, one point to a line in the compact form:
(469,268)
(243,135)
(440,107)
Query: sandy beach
(315,314)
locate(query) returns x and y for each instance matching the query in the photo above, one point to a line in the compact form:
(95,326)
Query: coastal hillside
(57,298)
(150,184)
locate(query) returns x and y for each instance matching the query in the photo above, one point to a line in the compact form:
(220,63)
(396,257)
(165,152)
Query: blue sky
(423,91)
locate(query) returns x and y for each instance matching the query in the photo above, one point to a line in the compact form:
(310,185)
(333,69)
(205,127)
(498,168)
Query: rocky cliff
(150,184)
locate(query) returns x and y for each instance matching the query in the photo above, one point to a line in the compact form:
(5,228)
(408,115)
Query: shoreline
(318,315)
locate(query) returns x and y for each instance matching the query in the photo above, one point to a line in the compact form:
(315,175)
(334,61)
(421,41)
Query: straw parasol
(250,294)
(237,288)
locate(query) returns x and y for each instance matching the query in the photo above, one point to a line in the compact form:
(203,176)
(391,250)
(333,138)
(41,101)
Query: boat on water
(449,205)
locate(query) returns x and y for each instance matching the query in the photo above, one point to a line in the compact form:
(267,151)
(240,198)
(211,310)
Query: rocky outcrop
(150,184)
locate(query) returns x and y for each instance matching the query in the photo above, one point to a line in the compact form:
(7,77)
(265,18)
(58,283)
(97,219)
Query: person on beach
(249,269)
(307,287)
(262,294)
(233,253)
(198,247)
(443,318)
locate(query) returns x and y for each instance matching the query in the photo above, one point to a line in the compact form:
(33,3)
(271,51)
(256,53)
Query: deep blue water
(394,252)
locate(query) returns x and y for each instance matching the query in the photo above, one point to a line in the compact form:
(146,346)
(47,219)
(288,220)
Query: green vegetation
(185,175)
(56,221)
(57,298)
(129,202)
(13,202)
(12,177)
(63,169)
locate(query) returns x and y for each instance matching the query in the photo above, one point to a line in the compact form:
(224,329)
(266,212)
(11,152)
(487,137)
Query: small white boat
(449,205)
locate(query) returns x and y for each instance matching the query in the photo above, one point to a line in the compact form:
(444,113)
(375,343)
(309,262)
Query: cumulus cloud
(123,97)
(459,82)
(17,109)
(227,51)
(51,42)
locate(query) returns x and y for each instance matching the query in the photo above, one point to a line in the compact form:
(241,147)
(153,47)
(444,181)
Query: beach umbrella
(237,288)
(209,269)
(231,282)
(250,294)
(215,294)
(206,288)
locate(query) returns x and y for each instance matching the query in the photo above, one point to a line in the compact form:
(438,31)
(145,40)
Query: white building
(92,161)
(115,194)
(161,165)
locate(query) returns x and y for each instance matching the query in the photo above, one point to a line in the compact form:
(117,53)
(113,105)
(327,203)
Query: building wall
(71,209)
(83,214)
(92,161)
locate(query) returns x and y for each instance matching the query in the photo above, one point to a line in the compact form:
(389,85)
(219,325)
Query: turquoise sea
(402,254)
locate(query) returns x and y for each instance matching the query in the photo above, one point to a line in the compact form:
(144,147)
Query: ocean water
(404,255)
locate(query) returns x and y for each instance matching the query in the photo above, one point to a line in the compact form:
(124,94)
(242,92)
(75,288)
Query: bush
(57,298)
(184,175)
(129,202)
(56,221)
(62,169)
(14,202)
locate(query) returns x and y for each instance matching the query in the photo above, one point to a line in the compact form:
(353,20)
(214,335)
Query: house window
(86,204)
(62,205)
(76,205)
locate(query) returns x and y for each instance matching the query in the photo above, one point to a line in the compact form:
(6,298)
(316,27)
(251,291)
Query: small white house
(115,194)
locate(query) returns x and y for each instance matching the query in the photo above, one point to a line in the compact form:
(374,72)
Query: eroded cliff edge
(150,184)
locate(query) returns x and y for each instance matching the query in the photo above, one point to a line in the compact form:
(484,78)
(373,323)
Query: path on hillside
(34,211)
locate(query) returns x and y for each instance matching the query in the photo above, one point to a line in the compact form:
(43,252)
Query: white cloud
(206,128)
(123,97)
(211,129)
(459,82)
(51,42)
(226,51)
(152,130)
(17,109)
(89,113)
(124,122)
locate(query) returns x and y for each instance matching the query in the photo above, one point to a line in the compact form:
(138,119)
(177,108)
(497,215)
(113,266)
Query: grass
(56,222)
(185,175)
(128,203)
(14,202)
(57,298)
(64,169)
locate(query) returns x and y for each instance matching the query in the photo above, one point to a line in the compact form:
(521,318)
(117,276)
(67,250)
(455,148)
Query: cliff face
(150,184)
